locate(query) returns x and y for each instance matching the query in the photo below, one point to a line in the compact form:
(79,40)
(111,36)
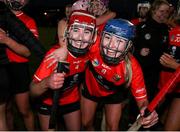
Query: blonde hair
(128,70)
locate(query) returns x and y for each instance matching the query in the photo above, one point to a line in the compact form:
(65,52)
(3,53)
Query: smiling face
(113,46)
(161,13)
(81,35)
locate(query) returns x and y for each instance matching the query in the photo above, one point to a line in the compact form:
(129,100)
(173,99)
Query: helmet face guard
(98,7)
(81,5)
(116,40)
(80,33)
(16,4)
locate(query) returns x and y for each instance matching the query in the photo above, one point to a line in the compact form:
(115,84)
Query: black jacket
(154,36)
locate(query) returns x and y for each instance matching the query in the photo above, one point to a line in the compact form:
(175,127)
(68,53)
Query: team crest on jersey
(147,36)
(116,77)
(95,62)
(164,39)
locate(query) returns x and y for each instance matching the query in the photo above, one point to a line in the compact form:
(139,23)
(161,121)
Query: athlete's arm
(105,17)
(13,45)
(62,25)
(54,81)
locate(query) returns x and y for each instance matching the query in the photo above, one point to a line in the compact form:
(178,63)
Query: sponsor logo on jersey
(105,66)
(116,77)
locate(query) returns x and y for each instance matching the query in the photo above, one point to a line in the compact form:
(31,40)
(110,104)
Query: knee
(87,124)
(112,126)
(25,112)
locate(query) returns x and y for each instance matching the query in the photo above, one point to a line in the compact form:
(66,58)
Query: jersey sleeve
(33,27)
(138,88)
(43,70)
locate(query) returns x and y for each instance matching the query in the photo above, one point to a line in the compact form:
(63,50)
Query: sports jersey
(103,80)
(174,50)
(100,28)
(30,23)
(135,21)
(77,67)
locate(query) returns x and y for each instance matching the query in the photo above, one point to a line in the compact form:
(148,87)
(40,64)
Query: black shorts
(115,98)
(20,77)
(4,84)
(45,109)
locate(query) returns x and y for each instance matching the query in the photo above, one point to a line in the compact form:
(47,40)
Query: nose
(80,34)
(113,44)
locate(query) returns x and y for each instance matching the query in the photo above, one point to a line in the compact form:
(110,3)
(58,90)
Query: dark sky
(124,8)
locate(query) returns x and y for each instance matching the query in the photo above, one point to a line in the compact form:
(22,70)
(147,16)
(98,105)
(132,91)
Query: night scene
(89,65)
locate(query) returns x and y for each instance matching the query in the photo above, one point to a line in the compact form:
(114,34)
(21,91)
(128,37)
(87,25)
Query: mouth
(80,44)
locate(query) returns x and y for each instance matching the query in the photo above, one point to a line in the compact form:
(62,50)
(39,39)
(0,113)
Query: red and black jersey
(31,25)
(77,66)
(174,50)
(135,21)
(102,79)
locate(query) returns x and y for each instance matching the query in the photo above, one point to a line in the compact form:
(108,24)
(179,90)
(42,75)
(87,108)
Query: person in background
(100,9)
(142,10)
(111,68)
(171,61)
(81,32)
(7,22)
(150,42)
(19,67)
(62,24)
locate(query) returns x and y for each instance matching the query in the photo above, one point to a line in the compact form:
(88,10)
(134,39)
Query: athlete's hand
(168,61)
(59,54)
(150,120)
(56,80)
(3,36)
(145,51)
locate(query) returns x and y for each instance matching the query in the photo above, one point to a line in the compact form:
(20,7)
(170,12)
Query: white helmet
(81,5)
(143,4)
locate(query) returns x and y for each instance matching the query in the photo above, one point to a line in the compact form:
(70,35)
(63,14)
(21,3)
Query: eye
(75,29)
(87,31)
(107,36)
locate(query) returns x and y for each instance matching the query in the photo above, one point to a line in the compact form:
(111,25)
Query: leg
(113,115)
(44,121)
(22,101)
(73,121)
(88,109)
(173,118)
(3,126)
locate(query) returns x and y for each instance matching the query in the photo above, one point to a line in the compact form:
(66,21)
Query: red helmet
(86,22)
(174,36)
(82,17)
